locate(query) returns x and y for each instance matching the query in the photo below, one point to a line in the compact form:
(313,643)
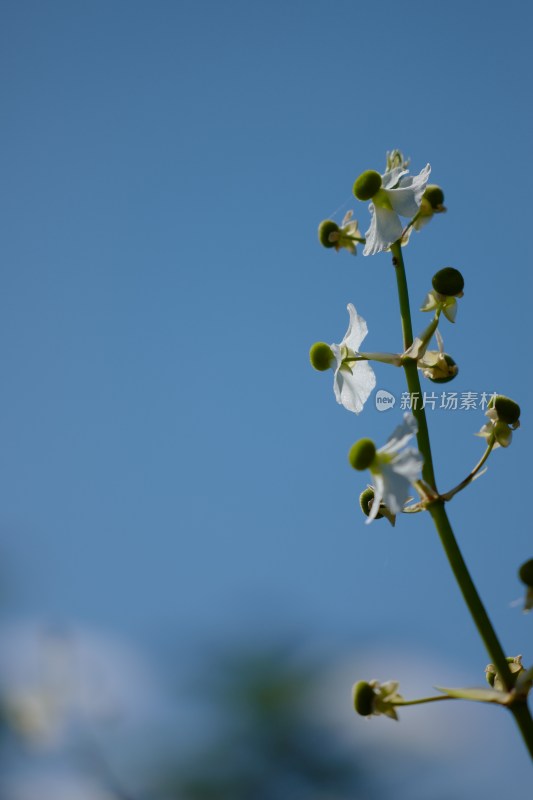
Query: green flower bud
(366,499)
(325,228)
(493,677)
(321,357)
(448,281)
(363,698)
(508,411)
(435,196)
(525,573)
(490,674)
(453,370)
(362,454)
(367,185)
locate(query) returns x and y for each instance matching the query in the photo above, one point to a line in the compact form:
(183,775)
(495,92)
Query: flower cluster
(400,203)
(394,194)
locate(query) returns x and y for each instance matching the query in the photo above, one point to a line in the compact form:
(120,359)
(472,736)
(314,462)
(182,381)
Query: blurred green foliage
(268,740)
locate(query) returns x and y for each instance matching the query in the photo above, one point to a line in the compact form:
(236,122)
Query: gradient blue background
(171,467)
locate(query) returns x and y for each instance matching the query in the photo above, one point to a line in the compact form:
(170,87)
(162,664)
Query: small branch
(424,700)
(469,478)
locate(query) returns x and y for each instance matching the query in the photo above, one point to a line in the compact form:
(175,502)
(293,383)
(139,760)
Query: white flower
(400,194)
(353,380)
(393,471)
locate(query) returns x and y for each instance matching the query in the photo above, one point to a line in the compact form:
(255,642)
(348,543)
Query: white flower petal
(352,390)
(391,178)
(401,435)
(336,349)
(385,228)
(417,182)
(396,488)
(357,330)
(408,463)
(406,199)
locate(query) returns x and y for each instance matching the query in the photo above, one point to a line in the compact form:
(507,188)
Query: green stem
(403,294)
(424,700)
(438,513)
(469,592)
(469,478)
(410,367)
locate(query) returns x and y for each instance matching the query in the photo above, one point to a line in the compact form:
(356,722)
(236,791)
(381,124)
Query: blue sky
(171,465)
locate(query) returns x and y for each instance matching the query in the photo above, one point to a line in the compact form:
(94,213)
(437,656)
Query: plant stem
(469,478)
(424,700)
(438,513)
(410,367)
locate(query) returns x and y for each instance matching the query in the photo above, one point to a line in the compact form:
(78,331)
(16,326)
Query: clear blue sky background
(171,466)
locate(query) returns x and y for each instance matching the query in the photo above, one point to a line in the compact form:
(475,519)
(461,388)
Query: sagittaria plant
(402,479)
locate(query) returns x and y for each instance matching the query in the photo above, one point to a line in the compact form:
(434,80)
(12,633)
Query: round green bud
(366,499)
(508,411)
(454,370)
(434,195)
(326,227)
(362,454)
(321,357)
(525,573)
(448,281)
(363,698)
(367,185)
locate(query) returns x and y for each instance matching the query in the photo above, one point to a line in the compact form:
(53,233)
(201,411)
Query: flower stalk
(437,510)
(472,475)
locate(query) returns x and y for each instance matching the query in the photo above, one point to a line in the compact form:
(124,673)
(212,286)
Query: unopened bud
(508,411)
(493,676)
(448,281)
